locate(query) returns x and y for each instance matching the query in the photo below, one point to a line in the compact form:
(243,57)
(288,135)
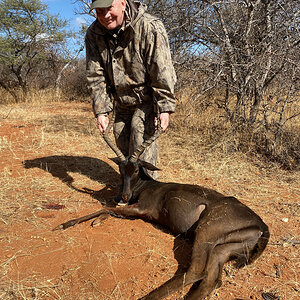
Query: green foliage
(28,35)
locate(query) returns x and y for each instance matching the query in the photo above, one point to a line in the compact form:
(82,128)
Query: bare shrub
(280,145)
(74,83)
(241,57)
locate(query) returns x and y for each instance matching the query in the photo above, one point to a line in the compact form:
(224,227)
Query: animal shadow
(95,169)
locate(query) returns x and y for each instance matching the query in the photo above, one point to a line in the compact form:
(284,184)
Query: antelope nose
(125,198)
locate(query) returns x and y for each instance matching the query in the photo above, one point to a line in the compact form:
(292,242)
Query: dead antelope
(222,228)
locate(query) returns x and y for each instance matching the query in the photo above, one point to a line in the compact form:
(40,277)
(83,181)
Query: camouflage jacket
(131,66)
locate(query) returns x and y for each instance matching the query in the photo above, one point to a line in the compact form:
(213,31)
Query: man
(129,68)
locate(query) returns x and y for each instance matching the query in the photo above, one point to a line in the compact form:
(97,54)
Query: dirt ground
(54,166)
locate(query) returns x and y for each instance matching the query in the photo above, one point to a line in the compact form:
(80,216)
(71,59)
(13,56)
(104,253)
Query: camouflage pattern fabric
(132,127)
(131,65)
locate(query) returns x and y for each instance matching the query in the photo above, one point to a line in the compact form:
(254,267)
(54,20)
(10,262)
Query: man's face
(111,17)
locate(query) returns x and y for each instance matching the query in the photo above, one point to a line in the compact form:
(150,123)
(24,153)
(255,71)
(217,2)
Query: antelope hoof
(99,220)
(59,227)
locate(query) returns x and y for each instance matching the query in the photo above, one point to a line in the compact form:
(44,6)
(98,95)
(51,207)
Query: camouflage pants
(134,125)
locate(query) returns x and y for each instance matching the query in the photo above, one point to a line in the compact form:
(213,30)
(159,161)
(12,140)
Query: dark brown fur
(222,228)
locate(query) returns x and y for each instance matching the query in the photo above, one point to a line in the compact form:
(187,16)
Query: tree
(241,56)
(245,59)
(29,35)
(83,7)
(243,48)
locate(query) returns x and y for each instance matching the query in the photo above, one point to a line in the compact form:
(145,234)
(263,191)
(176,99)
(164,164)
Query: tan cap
(101,3)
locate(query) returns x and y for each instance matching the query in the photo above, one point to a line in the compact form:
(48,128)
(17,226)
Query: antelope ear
(115,160)
(147,165)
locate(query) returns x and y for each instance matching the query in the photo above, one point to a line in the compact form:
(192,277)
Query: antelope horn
(109,142)
(134,157)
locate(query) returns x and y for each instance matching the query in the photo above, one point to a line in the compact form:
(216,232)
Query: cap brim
(101,4)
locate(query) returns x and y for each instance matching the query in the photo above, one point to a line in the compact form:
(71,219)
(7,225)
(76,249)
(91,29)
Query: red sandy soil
(120,259)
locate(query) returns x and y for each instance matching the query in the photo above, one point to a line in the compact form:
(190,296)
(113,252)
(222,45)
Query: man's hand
(102,122)
(164,120)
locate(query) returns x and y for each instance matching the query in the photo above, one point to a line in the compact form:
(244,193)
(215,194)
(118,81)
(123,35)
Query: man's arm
(160,69)
(102,103)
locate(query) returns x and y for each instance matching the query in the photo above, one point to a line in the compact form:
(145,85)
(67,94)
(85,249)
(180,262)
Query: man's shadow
(93,168)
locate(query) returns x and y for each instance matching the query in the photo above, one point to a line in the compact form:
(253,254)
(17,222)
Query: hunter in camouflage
(129,67)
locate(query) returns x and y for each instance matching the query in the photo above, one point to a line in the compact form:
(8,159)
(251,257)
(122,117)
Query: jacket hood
(134,11)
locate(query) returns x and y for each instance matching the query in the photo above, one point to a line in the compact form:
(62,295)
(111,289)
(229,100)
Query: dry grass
(51,153)
(276,141)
